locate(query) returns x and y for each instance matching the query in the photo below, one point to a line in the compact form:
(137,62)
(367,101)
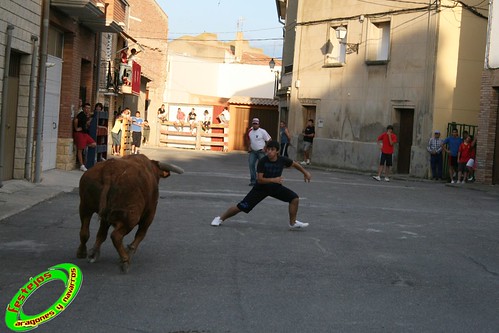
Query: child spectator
(464,154)
(206,121)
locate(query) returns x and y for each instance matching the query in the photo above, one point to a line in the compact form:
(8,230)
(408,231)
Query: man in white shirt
(224,116)
(257,139)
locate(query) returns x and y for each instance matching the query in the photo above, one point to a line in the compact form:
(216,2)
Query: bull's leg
(141,232)
(94,254)
(85,218)
(117,236)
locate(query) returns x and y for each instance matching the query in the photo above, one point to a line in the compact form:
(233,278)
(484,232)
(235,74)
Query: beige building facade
(19,36)
(356,67)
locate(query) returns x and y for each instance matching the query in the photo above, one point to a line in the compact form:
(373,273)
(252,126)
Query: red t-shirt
(465,152)
(387,148)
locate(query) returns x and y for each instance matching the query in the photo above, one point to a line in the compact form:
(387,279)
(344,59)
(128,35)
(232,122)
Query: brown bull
(124,192)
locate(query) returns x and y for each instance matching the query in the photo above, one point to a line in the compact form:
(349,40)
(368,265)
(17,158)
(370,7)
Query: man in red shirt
(386,141)
(464,154)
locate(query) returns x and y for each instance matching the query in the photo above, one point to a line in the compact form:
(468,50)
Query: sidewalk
(19,195)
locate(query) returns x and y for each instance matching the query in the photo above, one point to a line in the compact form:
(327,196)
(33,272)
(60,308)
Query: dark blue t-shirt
(273,169)
(454,143)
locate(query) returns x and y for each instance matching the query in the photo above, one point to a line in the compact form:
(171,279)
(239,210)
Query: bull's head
(166,168)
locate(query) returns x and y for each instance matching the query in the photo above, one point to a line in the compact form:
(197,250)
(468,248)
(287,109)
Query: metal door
(51,113)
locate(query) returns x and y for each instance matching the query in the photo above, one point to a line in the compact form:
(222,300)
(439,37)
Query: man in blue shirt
(137,124)
(451,146)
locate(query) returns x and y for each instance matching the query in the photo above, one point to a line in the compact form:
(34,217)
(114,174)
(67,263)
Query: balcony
(95,15)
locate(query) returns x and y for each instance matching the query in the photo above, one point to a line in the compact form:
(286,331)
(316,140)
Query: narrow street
(403,256)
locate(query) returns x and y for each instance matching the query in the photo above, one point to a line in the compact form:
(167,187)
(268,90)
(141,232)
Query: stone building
(356,67)
(19,42)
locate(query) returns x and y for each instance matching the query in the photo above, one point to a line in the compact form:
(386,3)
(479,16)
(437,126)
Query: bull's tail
(103,204)
(103,200)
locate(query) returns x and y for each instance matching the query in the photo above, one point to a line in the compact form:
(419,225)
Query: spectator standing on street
(81,136)
(435,147)
(386,141)
(464,154)
(269,183)
(256,139)
(146,130)
(285,138)
(451,146)
(308,140)
(137,124)
(117,130)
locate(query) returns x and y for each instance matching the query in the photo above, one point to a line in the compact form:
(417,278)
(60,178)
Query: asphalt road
(378,257)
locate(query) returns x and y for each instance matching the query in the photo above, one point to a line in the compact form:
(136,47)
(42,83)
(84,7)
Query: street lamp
(341,34)
(276,76)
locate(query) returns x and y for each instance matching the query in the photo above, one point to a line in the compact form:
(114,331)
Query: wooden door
(405,140)
(11,119)
(495,172)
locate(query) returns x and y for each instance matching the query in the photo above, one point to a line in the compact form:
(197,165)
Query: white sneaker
(308,162)
(83,168)
(303,162)
(387,179)
(453,182)
(216,221)
(298,225)
(378,178)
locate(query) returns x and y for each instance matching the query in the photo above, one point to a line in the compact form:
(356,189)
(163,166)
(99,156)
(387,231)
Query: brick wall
(152,33)
(78,53)
(487,126)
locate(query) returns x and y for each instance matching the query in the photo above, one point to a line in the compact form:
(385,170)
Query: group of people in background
(192,119)
(139,127)
(461,152)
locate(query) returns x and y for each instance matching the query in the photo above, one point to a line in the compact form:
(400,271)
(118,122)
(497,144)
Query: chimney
(238,52)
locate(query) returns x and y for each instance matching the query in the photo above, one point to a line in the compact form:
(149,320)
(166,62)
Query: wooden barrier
(126,137)
(181,136)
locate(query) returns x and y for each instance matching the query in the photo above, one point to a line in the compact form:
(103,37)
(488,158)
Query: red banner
(136,70)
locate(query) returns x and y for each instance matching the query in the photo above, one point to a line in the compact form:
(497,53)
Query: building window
(378,43)
(55,42)
(335,49)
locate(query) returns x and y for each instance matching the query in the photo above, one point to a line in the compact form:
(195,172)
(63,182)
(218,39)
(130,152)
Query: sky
(256,18)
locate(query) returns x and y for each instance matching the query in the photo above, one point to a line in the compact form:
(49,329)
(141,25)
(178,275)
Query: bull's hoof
(125,266)
(130,250)
(82,252)
(93,256)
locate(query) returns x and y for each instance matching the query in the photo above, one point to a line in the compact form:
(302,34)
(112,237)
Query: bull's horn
(170,167)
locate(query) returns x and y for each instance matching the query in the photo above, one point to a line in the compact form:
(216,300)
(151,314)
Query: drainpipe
(99,65)
(31,109)
(3,119)
(41,90)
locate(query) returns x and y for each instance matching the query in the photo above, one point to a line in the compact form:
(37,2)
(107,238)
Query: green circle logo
(72,278)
